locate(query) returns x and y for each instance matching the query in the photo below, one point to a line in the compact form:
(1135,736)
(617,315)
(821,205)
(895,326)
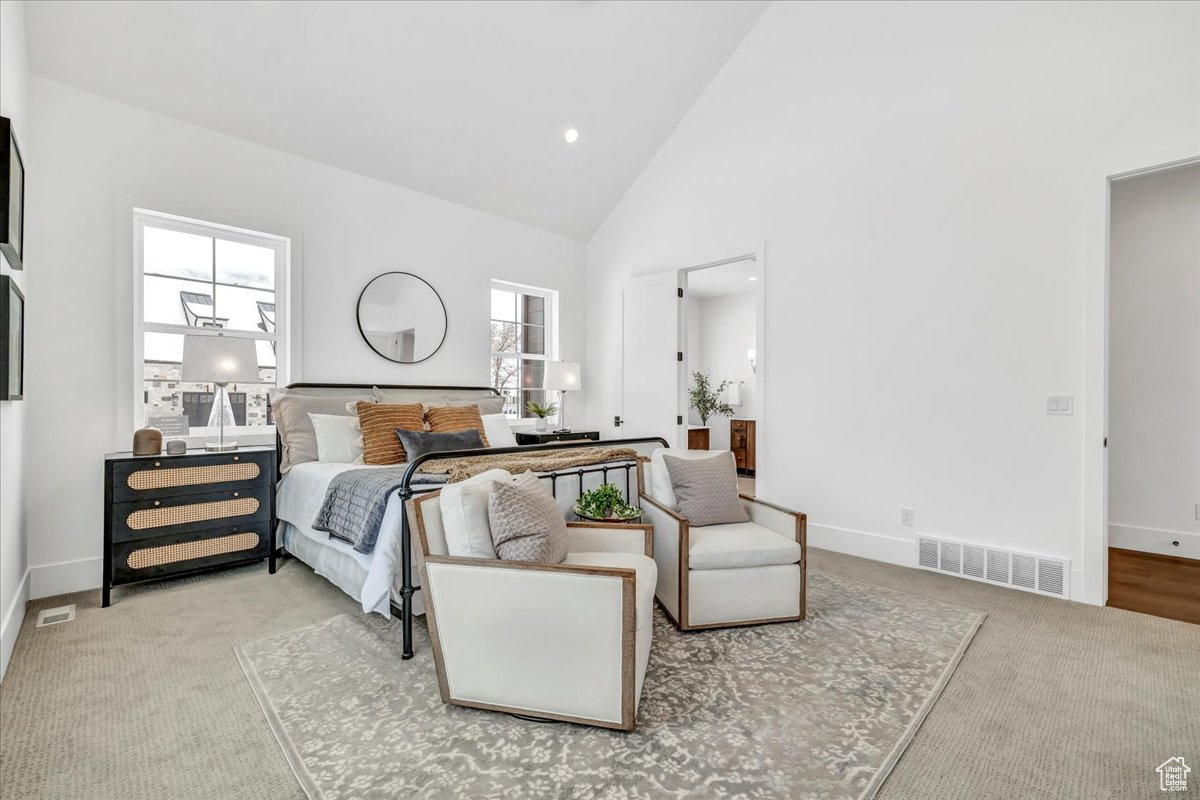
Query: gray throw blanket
(356,500)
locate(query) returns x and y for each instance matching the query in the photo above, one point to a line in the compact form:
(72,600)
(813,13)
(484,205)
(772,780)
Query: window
(524,337)
(200,278)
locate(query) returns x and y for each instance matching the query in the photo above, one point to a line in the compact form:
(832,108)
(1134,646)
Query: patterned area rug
(816,709)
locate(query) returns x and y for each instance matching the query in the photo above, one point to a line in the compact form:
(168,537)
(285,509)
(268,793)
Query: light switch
(1060,405)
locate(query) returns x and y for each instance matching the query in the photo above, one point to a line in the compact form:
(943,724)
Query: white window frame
(281,245)
(551,298)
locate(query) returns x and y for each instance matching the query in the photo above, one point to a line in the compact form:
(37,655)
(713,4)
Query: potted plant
(606,504)
(541,412)
(705,400)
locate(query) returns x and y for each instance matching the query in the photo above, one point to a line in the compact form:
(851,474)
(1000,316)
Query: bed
(385,581)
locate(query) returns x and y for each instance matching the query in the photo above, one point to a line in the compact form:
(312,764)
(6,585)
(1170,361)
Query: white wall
(14,585)
(917,172)
(723,327)
(97,157)
(1154,357)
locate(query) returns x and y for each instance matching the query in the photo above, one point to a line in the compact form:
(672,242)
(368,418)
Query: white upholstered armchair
(566,642)
(744,573)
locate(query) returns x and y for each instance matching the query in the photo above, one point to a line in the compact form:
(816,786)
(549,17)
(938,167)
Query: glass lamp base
(219,420)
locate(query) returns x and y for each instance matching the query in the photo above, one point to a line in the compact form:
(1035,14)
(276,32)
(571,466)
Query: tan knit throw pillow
(379,421)
(526,522)
(447,419)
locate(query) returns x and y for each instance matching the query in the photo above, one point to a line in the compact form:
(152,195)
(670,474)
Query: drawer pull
(195,512)
(157,503)
(236,494)
(157,464)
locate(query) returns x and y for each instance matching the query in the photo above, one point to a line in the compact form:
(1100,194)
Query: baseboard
(10,627)
(874,546)
(1154,540)
(48,580)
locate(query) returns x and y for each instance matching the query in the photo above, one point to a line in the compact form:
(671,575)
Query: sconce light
(750,354)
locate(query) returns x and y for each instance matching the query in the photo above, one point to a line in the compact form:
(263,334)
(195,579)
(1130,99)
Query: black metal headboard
(368,386)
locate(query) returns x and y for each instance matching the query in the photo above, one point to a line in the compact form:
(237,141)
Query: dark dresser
(549,437)
(743,434)
(166,516)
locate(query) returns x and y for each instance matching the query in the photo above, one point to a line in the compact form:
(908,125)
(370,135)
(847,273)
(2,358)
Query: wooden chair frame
(628,612)
(684,568)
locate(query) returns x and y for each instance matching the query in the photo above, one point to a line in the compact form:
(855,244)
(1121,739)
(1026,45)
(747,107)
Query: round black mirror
(401,317)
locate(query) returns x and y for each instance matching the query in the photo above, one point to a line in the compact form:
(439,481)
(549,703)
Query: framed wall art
(12,197)
(12,340)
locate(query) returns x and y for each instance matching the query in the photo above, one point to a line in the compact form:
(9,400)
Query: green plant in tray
(606,503)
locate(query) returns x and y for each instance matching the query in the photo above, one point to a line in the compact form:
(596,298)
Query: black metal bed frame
(407,491)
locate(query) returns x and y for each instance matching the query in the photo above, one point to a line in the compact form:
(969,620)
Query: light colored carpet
(146,700)
(819,709)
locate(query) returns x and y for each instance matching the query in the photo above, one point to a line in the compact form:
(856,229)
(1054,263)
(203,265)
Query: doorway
(722,402)
(1153,492)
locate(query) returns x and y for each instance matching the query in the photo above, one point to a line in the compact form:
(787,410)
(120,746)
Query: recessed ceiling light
(571,135)
(753,277)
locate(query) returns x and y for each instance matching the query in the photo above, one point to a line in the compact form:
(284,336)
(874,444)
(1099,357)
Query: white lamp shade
(219,359)
(562,375)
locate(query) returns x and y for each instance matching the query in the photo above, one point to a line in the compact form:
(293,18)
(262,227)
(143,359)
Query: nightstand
(549,437)
(166,516)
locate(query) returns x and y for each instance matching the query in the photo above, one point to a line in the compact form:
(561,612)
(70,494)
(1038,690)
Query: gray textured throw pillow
(418,443)
(706,489)
(526,522)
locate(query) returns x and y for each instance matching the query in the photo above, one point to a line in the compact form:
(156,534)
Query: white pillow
(338,438)
(499,434)
(660,479)
(464,507)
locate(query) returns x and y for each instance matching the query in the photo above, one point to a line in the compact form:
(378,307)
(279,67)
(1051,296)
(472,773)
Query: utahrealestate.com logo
(1173,775)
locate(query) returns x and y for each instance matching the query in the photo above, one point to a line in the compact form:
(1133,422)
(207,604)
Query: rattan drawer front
(191,475)
(165,517)
(149,518)
(175,477)
(190,551)
(152,558)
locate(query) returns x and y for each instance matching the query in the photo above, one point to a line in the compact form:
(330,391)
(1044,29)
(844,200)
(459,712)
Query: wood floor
(1164,586)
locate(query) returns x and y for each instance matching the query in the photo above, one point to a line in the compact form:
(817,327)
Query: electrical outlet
(1197,510)
(906,516)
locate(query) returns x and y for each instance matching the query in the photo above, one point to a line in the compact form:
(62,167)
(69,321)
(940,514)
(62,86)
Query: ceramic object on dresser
(147,442)
(176,447)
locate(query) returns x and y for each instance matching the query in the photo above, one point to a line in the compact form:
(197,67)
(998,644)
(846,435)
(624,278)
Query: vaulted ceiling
(467,101)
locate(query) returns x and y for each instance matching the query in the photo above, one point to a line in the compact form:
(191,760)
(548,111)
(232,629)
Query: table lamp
(220,360)
(563,377)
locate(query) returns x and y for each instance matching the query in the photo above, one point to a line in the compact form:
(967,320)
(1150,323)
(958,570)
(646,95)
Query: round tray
(607,519)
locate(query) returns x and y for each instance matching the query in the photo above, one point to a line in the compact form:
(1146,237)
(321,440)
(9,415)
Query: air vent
(1051,577)
(951,557)
(1023,571)
(927,553)
(974,559)
(997,566)
(53,616)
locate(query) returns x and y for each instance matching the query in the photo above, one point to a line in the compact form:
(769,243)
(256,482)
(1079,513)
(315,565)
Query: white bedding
(373,579)
(367,577)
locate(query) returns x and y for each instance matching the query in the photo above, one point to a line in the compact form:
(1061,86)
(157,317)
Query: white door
(650,366)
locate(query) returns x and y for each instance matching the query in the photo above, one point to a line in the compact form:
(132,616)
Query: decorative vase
(541,425)
(147,442)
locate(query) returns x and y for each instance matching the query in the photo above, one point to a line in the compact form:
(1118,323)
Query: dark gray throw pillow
(418,443)
(706,489)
